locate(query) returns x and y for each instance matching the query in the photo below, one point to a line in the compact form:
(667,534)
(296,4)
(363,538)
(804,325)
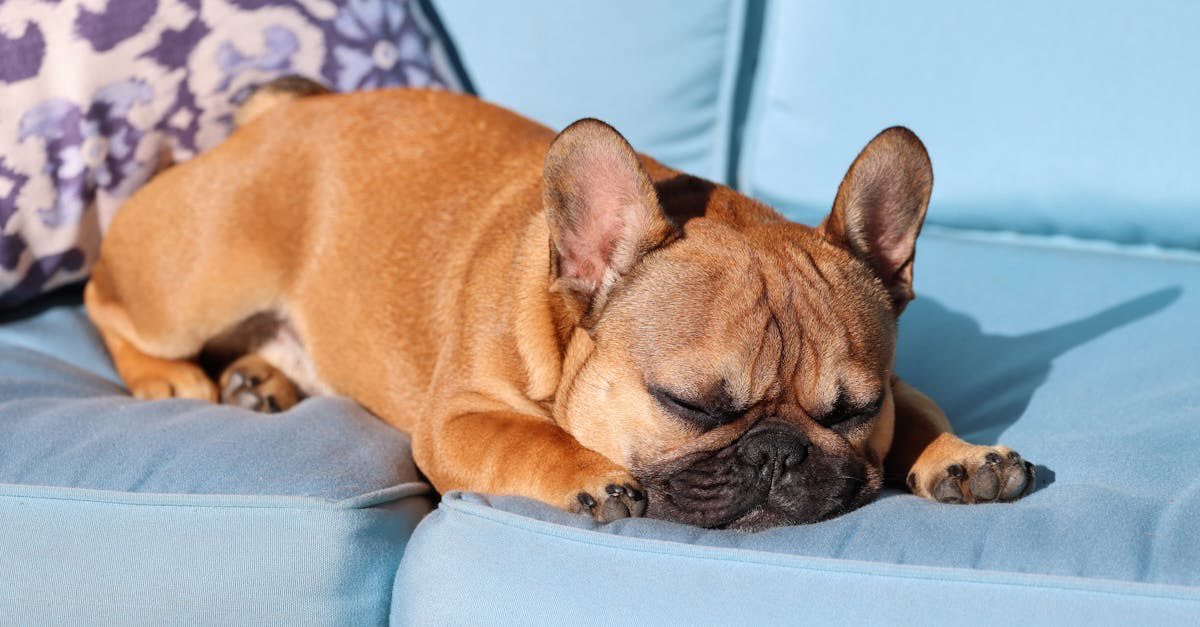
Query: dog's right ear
(602,211)
(880,207)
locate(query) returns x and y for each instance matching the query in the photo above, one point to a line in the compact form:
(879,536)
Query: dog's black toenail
(273,405)
(1014,457)
(586,500)
(912,482)
(613,489)
(956,471)
(635,493)
(993,458)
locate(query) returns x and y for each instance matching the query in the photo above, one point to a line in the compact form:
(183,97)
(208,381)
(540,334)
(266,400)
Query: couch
(1058,283)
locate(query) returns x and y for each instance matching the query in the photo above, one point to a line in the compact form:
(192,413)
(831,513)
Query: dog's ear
(602,211)
(880,207)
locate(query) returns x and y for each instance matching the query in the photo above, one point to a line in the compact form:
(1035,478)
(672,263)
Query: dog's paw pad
(980,475)
(949,488)
(251,383)
(1017,477)
(617,502)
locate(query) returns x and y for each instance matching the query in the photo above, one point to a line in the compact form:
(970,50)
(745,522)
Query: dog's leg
(147,377)
(155,340)
(504,452)
(936,464)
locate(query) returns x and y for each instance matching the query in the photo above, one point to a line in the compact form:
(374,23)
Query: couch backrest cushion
(662,73)
(1079,117)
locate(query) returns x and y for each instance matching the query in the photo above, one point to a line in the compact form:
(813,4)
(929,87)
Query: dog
(550,316)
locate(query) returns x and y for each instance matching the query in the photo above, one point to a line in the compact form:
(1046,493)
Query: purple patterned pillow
(96,95)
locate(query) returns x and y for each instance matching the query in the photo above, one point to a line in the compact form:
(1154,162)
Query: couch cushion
(181,510)
(1082,360)
(663,74)
(1041,117)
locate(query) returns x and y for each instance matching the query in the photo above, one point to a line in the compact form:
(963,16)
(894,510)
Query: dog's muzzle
(772,475)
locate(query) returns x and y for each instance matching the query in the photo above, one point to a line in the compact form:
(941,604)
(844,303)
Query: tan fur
(404,236)
(275,93)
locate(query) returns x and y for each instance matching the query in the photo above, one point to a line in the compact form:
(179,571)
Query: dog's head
(737,363)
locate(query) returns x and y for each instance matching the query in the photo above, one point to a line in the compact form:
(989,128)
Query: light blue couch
(1058,312)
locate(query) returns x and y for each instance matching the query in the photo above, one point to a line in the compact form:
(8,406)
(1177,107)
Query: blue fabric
(66,421)
(1082,360)
(1041,117)
(103,558)
(661,73)
(178,511)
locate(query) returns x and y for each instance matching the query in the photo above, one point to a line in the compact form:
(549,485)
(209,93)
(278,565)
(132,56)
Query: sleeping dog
(550,316)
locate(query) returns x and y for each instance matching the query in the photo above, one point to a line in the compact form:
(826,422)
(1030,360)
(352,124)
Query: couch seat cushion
(1082,360)
(182,510)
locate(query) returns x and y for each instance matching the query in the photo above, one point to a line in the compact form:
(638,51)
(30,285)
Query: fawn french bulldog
(556,317)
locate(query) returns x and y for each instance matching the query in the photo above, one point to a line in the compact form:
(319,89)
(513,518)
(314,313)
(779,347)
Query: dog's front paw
(612,499)
(971,474)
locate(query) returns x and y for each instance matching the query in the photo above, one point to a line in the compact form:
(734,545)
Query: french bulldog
(550,316)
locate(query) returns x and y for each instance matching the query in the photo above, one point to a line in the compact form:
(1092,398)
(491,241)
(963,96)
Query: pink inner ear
(888,227)
(607,200)
(890,240)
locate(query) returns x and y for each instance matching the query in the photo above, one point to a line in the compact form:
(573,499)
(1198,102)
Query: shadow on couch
(67,296)
(985,382)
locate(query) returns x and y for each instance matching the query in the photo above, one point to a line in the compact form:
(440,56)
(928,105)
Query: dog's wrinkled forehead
(754,313)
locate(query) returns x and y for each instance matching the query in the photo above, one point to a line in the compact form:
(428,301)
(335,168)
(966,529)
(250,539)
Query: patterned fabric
(97,95)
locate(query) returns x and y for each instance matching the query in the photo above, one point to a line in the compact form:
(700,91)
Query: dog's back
(364,217)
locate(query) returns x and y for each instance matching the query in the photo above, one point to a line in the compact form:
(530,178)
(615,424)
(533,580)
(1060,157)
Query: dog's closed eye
(846,414)
(704,415)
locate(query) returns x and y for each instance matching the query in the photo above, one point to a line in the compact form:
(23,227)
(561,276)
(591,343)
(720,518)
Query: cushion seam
(1064,242)
(374,498)
(727,85)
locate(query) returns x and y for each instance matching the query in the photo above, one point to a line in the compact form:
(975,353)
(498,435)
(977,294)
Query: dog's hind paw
(174,379)
(252,383)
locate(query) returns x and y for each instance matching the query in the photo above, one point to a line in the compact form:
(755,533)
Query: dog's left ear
(601,208)
(880,207)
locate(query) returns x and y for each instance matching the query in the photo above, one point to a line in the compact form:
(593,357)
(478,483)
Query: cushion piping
(171,499)
(1062,242)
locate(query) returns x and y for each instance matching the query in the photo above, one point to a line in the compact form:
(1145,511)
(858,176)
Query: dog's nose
(774,448)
